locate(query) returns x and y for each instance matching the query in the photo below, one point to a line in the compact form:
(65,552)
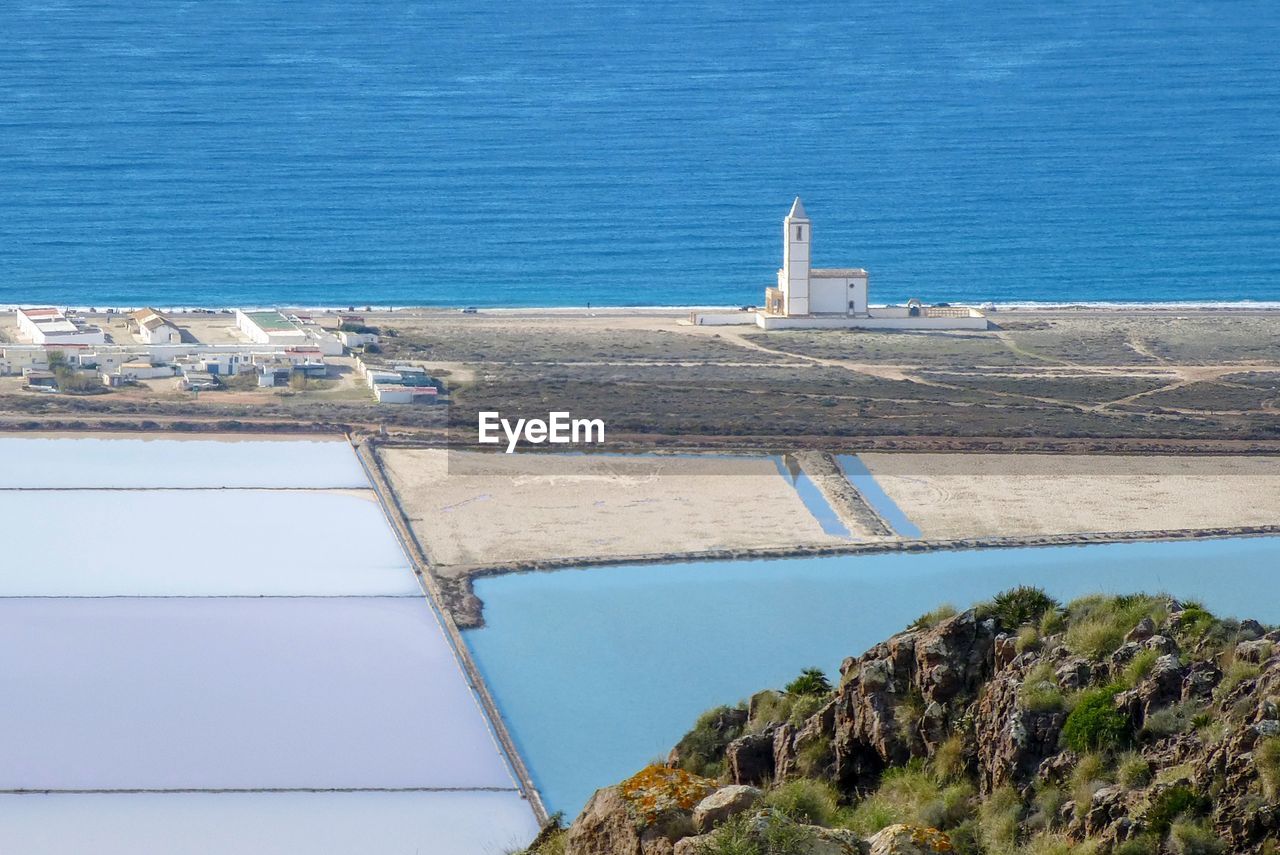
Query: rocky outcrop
(723,804)
(1191,704)
(904,839)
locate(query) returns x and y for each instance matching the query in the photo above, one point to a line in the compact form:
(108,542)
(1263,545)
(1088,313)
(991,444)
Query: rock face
(723,804)
(961,693)
(909,840)
(644,815)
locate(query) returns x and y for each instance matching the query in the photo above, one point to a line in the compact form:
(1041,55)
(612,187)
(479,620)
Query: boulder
(1144,630)
(903,839)
(604,827)
(835,841)
(1201,679)
(1251,630)
(1256,652)
(749,759)
(723,804)
(693,845)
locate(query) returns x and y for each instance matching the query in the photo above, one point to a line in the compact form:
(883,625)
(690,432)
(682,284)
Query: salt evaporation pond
(264,823)
(132,463)
(158,543)
(209,616)
(599,671)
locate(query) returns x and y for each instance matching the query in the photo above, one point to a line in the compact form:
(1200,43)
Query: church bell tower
(796,239)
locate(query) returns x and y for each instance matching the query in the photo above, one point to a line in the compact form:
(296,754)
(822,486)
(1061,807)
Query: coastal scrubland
(1083,379)
(1131,725)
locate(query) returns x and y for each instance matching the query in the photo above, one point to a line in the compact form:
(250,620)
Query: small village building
(14,360)
(37,378)
(356,339)
(269,327)
(155,328)
(195,380)
(273,328)
(399,394)
(50,326)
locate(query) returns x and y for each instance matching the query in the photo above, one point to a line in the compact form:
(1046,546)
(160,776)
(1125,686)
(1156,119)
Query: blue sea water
(400,152)
(599,671)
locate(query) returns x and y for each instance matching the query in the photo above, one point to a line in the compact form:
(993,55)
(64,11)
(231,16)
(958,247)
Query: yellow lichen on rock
(906,839)
(656,790)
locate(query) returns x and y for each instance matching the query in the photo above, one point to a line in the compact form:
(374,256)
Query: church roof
(797,211)
(836,272)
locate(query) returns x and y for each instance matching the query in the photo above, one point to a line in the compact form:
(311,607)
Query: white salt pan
(198,542)
(236,693)
(266,823)
(94,462)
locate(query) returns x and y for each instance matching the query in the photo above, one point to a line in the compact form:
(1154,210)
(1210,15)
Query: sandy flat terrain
(472,509)
(974,495)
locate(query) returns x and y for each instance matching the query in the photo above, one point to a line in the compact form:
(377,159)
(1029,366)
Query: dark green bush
(810,682)
(1174,802)
(1095,724)
(1021,605)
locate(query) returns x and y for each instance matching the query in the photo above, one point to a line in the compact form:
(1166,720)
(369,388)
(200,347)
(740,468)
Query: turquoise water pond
(598,671)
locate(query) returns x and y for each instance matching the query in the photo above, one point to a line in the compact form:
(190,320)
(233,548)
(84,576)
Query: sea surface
(600,671)
(394,152)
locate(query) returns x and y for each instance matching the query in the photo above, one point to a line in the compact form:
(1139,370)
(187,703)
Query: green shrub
(998,821)
(810,682)
(1094,723)
(1169,805)
(1089,775)
(929,620)
(949,763)
(1019,606)
(701,750)
(911,794)
(1098,624)
(1133,771)
(803,708)
(805,800)
(1039,692)
(1194,623)
(1143,844)
(1052,622)
(734,837)
(768,708)
(1194,838)
(814,757)
(1235,674)
(1266,759)
(1045,806)
(1139,667)
(1028,639)
(1178,718)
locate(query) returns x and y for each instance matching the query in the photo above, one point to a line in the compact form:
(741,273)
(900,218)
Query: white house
(155,328)
(50,326)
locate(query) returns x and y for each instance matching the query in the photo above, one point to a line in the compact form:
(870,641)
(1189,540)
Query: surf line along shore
(417,557)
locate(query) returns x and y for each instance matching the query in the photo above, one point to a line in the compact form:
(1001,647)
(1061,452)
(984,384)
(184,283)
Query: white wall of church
(829,296)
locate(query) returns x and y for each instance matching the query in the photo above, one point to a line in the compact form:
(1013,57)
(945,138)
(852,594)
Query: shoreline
(469,614)
(996,306)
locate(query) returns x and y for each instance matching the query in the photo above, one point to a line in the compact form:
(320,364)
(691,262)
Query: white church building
(808,297)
